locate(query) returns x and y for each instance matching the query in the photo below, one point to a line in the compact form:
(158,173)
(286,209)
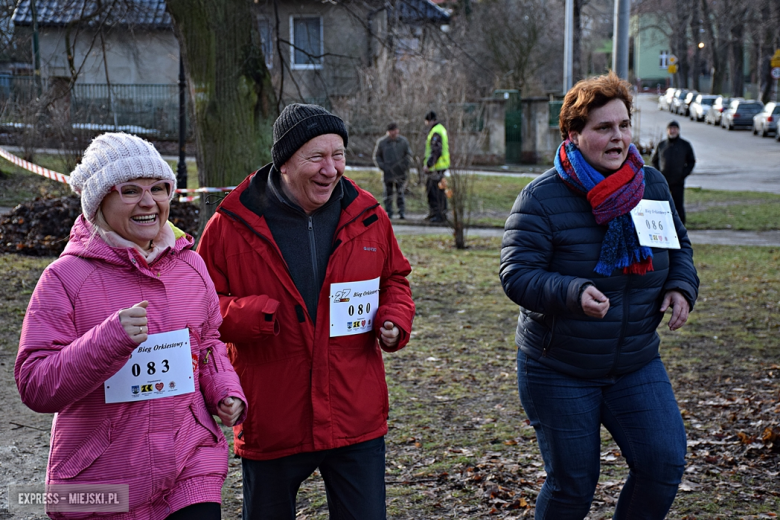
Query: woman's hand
(594,303)
(389,334)
(229,410)
(134,321)
(680,309)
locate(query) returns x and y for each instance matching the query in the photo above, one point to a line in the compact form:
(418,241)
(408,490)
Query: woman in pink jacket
(121,342)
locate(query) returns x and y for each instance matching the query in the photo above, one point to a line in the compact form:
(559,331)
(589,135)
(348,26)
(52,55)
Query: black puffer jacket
(551,245)
(675,159)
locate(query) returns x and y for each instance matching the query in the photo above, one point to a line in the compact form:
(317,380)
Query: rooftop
(57,13)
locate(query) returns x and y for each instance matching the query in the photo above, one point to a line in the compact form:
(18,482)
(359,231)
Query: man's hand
(594,303)
(680,309)
(389,334)
(134,321)
(229,410)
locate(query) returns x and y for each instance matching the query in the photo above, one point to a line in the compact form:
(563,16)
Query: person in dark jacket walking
(591,296)
(674,158)
(312,288)
(393,155)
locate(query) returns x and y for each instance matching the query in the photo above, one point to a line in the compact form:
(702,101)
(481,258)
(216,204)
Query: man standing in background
(393,156)
(674,158)
(437,160)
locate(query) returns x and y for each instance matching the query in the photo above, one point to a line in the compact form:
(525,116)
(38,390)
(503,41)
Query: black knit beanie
(300,123)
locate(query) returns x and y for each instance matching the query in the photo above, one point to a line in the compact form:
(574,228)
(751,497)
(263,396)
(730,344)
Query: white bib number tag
(654,224)
(353,307)
(161,366)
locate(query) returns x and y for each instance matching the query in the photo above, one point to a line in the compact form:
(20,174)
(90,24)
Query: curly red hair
(589,94)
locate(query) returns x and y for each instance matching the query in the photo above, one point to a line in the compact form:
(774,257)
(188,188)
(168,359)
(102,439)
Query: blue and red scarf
(612,198)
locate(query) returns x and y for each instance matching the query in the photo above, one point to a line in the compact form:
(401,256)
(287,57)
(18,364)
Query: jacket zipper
(626,307)
(547,344)
(313,247)
(206,360)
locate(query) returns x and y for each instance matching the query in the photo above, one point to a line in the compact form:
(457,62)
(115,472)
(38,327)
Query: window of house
(663,59)
(306,37)
(266,41)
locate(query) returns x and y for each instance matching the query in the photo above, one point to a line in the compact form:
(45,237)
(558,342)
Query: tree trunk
(715,45)
(696,32)
(230,90)
(765,51)
(737,59)
(683,14)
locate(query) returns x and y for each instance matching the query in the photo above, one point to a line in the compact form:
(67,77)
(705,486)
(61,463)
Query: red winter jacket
(307,391)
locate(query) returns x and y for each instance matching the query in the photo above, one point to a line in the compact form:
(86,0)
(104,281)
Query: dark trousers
(395,187)
(201,511)
(354,482)
(678,196)
(638,409)
(437,198)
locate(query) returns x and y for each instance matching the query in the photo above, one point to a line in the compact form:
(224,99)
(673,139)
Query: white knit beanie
(111,159)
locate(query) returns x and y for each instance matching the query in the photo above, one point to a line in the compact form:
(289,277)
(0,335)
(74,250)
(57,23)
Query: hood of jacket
(86,243)
(249,201)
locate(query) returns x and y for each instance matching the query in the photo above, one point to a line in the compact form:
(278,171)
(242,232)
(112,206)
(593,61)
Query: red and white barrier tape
(190,198)
(61,177)
(40,170)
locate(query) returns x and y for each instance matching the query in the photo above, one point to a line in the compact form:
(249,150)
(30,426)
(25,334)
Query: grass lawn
(459,445)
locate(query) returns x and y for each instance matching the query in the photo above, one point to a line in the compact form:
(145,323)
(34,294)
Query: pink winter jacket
(170,451)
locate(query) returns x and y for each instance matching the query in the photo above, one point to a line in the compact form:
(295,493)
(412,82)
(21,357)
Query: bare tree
(510,44)
(230,89)
(716,21)
(762,25)
(696,30)
(737,50)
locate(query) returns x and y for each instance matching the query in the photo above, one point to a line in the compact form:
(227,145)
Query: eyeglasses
(131,193)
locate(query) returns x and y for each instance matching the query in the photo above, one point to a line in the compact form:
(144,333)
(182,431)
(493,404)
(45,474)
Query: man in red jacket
(312,287)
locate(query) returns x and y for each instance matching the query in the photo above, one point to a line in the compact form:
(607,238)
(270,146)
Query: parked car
(765,122)
(700,106)
(665,99)
(684,107)
(714,114)
(740,113)
(678,99)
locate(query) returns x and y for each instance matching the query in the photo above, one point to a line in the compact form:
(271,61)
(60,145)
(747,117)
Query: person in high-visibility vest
(437,160)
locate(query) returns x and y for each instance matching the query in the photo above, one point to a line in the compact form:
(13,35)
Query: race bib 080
(353,307)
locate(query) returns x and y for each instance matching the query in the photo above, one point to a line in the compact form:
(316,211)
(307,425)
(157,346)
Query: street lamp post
(620,38)
(568,47)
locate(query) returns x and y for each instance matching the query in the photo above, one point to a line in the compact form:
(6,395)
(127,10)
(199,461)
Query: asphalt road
(725,160)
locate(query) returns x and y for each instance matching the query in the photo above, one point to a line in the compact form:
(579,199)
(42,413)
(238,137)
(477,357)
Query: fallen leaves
(42,227)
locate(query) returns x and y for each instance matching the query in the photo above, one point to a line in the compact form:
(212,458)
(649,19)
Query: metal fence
(151,110)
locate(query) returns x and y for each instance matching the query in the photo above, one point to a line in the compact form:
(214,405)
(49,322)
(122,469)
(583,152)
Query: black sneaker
(401,216)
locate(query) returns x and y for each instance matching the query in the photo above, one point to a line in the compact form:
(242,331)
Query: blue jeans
(354,482)
(640,412)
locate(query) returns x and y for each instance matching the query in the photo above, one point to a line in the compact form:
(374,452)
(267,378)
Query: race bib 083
(159,367)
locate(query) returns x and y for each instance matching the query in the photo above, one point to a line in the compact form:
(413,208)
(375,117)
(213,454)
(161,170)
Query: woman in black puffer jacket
(591,297)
